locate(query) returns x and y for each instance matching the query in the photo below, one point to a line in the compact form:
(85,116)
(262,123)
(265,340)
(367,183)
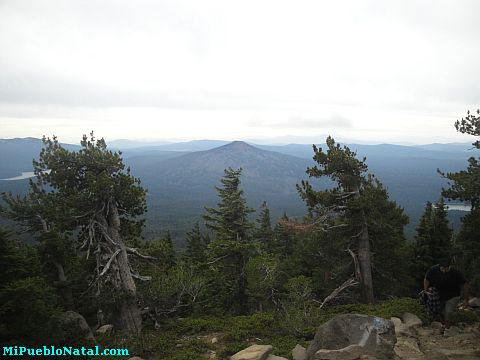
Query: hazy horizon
(131,143)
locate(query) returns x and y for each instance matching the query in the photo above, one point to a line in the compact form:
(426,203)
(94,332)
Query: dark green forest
(241,272)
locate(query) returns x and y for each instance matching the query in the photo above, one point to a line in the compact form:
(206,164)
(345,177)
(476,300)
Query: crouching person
(448,282)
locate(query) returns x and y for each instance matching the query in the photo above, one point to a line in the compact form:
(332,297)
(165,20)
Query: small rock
(214,340)
(437,327)
(451,331)
(400,328)
(474,302)
(213,355)
(254,352)
(274,357)
(425,332)
(299,353)
(105,329)
(135,358)
(411,320)
(407,348)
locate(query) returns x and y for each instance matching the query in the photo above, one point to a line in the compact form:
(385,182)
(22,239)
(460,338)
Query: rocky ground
(431,342)
(412,341)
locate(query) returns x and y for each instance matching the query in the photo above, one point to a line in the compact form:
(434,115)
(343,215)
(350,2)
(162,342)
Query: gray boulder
(349,336)
(78,325)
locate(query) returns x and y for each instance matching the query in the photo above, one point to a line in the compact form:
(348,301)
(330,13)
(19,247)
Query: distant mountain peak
(238,145)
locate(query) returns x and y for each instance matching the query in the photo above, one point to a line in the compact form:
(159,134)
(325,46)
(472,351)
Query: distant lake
(459,207)
(25,175)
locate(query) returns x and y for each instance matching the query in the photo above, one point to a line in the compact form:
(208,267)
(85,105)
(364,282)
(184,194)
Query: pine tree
(433,240)
(351,210)
(230,220)
(88,193)
(29,313)
(284,239)
(195,250)
(470,125)
(264,232)
(231,248)
(465,186)
(467,248)
(162,250)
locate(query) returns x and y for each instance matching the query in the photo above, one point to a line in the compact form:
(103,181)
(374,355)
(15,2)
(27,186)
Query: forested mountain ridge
(181,180)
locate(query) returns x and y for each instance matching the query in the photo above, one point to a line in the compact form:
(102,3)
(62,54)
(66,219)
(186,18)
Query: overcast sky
(379,71)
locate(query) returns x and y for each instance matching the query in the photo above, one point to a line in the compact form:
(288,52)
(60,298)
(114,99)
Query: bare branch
(44,224)
(140,277)
(358,273)
(107,266)
(217,259)
(348,283)
(103,228)
(135,252)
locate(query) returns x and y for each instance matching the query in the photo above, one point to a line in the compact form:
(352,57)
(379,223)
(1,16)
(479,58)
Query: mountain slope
(180,183)
(180,188)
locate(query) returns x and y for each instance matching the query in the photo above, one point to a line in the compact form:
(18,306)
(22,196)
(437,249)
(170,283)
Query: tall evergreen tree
(229,221)
(465,186)
(284,239)
(29,312)
(196,247)
(231,248)
(467,248)
(356,209)
(433,240)
(345,200)
(162,251)
(88,193)
(264,232)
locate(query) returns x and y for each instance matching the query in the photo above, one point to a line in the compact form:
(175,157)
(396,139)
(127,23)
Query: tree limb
(358,273)
(217,259)
(348,283)
(135,252)
(140,277)
(107,266)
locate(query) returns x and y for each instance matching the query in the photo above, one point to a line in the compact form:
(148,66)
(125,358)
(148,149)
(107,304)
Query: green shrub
(29,313)
(197,325)
(253,326)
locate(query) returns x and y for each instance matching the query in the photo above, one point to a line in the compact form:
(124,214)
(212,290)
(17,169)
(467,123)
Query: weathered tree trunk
(364,258)
(64,287)
(365,263)
(129,318)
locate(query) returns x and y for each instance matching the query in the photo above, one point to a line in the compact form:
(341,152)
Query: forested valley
(237,281)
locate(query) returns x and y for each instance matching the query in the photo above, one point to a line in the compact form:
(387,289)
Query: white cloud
(395,70)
